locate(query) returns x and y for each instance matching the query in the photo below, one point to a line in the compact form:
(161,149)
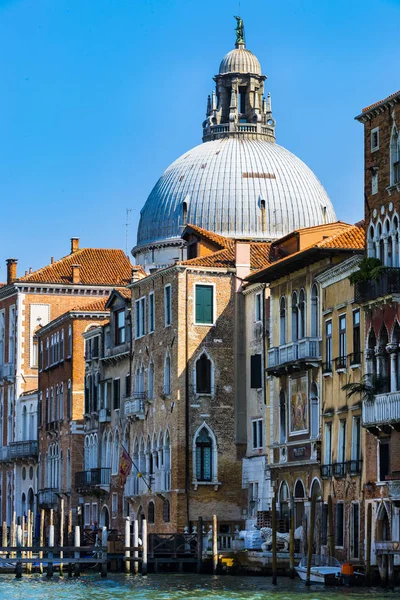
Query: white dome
(240,60)
(226,184)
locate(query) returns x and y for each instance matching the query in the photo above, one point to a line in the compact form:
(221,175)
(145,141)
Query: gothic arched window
(150,512)
(395,157)
(203,375)
(282,417)
(203,456)
(302,314)
(282,321)
(295,317)
(314,311)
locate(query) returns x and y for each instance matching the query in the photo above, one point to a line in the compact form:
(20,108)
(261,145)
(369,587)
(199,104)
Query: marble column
(392,349)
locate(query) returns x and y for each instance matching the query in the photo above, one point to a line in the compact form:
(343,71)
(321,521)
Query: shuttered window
(204,304)
(255,371)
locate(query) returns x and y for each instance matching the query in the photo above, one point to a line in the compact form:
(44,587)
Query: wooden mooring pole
(274,549)
(41,539)
(127,544)
(144,546)
(29,540)
(368,545)
(77,544)
(311,528)
(331,533)
(51,545)
(136,545)
(291,540)
(61,534)
(200,544)
(18,565)
(215,544)
(104,539)
(4,535)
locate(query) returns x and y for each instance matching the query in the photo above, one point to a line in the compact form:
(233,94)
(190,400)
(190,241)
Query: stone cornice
(378,108)
(339,272)
(67,316)
(253,288)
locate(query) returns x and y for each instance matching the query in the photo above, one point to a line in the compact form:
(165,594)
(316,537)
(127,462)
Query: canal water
(174,587)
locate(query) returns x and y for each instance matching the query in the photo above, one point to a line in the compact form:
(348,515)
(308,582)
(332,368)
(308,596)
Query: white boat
(320,566)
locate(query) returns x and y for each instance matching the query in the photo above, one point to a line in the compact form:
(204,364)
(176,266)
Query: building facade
(28,303)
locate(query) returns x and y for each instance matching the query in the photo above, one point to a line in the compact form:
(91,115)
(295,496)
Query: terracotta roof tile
(95,306)
(260,256)
(367,108)
(98,266)
(220,240)
(125,293)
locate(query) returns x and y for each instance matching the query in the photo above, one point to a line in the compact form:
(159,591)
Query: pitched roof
(352,239)
(95,306)
(98,266)
(260,256)
(215,238)
(394,95)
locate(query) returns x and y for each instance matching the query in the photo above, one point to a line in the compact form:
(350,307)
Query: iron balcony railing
(354,359)
(93,478)
(135,404)
(384,409)
(339,469)
(326,471)
(340,363)
(23,449)
(48,497)
(104,415)
(354,466)
(387,284)
(327,368)
(303,349)
(393,487)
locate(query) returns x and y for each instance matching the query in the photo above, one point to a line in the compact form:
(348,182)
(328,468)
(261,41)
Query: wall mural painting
(298,405)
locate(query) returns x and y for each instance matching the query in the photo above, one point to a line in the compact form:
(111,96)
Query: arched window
(167,462)
(295,317)
(383,358)
(394,157)
(204,458)
(150,513)
(314,311)
(166,511)
(115,454)
(184,212)
(167,375)
(282,321)
(57,404)
(282,417)
(150,382)
(61,402)
(371,356)
(314,411)
(284,502)
(203,374)
(69,400)
(24,423)
(299,497)
(371,241)
(302,314)
(51,406)
(23,504)
(68,474)
(31,427)
(315,489)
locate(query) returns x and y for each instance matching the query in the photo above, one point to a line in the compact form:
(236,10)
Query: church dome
(240,60)
(237,187)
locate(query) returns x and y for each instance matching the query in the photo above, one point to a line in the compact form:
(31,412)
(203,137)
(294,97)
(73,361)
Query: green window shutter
(204,304)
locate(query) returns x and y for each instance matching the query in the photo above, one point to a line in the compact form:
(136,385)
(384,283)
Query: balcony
(160,481)
(53,426)
(384,410)
(327,368)
(48,498)
(104,415)
(393,487)
(339,470)
(354,467)
(93,478)
(7,371)
(28,449)
(304,350)
(340,364)
(388,284)
(134,406)
(354,359)
(326,471)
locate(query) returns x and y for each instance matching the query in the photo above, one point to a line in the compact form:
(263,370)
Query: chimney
(11,269)
(137,274)
(74,244)
(51,260)
(242,262)
(76,275)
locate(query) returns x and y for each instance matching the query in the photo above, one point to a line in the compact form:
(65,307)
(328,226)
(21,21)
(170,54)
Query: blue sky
(100,96)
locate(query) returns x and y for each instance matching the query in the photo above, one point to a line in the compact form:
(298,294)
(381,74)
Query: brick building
(61,402)
(28,303)
(379,298)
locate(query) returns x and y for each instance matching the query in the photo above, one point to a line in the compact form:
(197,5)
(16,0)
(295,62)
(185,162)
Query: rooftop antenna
(127,224)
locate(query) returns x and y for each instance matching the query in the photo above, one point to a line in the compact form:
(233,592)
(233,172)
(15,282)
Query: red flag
(125,466)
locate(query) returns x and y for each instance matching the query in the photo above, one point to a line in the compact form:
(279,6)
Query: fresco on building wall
(298,405)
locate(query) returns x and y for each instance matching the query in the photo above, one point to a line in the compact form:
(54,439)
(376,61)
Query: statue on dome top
(239,30)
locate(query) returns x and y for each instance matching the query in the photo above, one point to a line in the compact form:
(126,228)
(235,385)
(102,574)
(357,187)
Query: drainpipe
(187,420)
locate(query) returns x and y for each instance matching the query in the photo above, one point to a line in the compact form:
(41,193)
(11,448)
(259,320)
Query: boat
(321,566)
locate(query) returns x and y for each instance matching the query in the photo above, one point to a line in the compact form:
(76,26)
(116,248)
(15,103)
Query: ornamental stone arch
(214,452)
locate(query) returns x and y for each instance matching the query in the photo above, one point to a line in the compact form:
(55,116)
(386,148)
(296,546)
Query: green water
(173,586)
